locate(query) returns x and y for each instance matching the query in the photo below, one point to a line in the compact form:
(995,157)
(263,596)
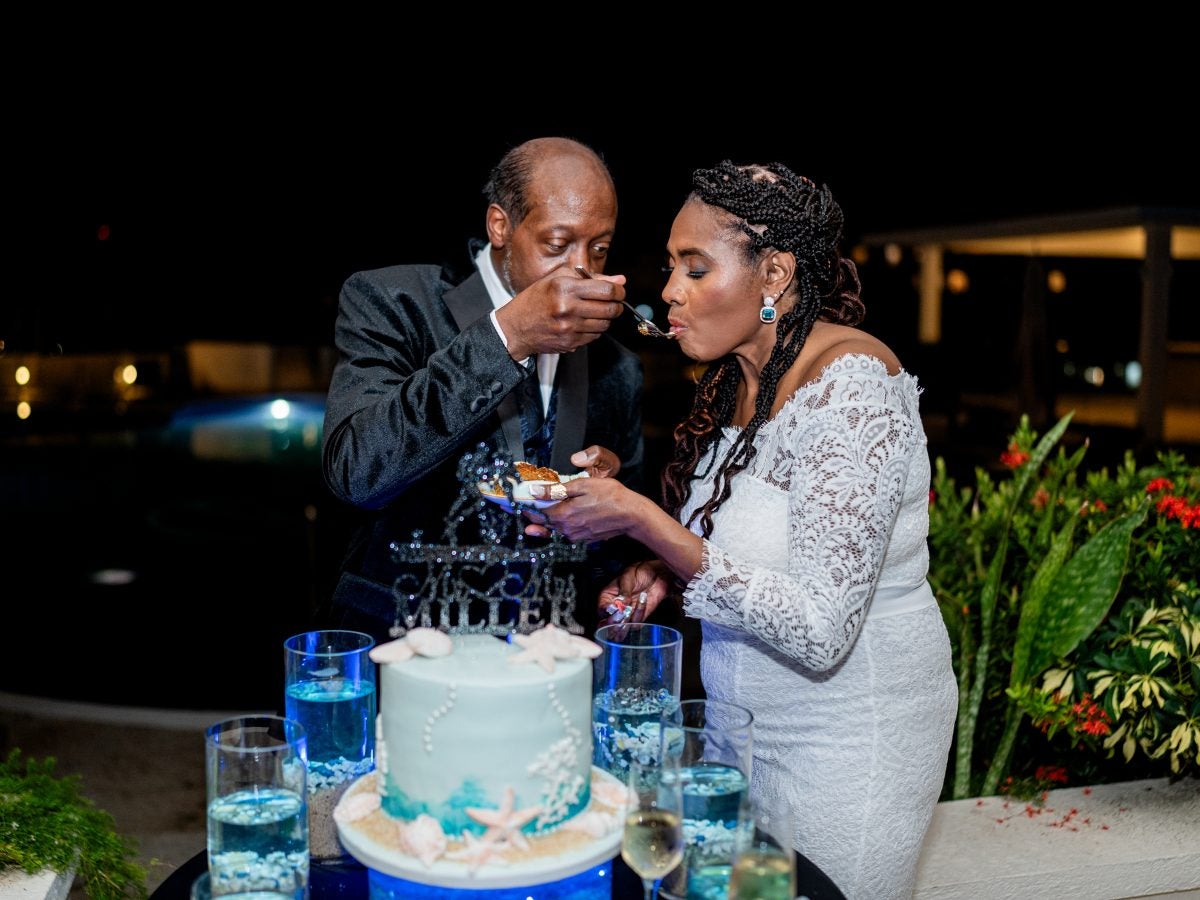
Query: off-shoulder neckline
(872,365)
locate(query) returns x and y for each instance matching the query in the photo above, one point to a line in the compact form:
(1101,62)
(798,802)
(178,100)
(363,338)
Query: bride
(795,520)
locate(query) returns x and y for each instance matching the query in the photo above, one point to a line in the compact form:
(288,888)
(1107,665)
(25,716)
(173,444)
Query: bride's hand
(592,509)
(597,461)
(634,594)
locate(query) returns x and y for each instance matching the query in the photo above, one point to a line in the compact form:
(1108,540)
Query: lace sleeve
(848,464)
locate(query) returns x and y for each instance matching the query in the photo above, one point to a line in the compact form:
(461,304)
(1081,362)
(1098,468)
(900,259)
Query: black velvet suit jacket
(422,377)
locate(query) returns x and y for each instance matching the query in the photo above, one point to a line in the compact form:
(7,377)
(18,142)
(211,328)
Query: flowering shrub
(1072,602)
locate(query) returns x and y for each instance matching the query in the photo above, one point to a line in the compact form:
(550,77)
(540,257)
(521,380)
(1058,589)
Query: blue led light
(591,884)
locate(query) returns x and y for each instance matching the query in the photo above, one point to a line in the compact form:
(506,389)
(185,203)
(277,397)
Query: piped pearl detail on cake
(444,709)
(557,706)
(563,713)
(381,761)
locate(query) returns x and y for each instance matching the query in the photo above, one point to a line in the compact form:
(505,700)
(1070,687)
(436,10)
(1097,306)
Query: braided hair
(774,209)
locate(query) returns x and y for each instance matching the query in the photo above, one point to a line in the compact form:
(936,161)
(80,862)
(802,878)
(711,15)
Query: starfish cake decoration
(477,852)
(505,824)
(551,643)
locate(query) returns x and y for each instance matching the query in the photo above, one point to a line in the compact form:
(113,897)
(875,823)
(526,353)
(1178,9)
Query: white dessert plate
(522,495)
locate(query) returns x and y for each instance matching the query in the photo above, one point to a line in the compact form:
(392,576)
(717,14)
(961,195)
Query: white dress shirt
(547,363)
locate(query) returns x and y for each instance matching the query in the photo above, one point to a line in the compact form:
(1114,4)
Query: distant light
(1133,373)
(957,281)
(129,374)
(24,410)
(1056,281)
(103,233)
(892,254)
(114,577)
(860,254)
(1069,369)
(1094,375)
(22,375)
(1062,346)
(280,409)
(646,310)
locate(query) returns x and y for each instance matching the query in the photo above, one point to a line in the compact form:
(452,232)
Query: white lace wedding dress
(817,616)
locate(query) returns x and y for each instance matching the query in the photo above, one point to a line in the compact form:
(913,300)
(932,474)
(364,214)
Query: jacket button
(496,387)
(478,403)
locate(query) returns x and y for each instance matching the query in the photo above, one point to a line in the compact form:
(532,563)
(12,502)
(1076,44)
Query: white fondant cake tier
(475,730)
(395,848)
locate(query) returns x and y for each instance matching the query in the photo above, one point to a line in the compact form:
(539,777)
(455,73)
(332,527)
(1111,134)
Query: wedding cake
(483,752)
(483,762)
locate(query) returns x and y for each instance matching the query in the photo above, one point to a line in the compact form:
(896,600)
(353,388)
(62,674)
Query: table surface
(349,881)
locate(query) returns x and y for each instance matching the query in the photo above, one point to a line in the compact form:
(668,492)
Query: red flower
(1013,456)
(1172,507)
(1090,717)
(1160,484)
(1055,774)
(1040,498)
(1192,518)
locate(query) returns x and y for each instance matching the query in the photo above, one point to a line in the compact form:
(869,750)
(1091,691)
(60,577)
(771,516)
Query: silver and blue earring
(767,314)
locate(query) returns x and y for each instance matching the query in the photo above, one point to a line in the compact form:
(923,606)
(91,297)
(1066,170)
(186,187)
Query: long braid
(775,208)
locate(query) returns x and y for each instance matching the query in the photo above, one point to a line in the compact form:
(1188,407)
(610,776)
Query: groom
(514,356)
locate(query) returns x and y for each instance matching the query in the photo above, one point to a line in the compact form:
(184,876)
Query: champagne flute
(764,867)
(652,843)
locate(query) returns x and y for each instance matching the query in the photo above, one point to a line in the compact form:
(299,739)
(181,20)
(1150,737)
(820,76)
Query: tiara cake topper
(500,585)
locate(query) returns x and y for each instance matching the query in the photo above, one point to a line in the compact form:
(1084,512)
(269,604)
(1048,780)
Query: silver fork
(645,327)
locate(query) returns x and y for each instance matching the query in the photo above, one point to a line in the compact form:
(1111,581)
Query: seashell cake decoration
(418,642)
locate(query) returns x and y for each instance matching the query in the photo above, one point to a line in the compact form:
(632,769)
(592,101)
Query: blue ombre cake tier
(459,731)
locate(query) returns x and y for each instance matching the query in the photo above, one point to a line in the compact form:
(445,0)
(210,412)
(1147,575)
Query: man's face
(572,216)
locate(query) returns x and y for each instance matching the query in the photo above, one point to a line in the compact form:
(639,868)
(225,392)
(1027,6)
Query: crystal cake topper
(502,584)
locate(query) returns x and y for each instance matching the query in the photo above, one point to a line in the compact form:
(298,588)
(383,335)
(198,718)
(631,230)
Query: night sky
(242,223)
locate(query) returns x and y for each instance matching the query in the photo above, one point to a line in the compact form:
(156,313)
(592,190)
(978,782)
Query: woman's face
(712,293)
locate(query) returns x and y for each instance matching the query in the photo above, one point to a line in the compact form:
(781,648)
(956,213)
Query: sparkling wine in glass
(764,868)
(652,843)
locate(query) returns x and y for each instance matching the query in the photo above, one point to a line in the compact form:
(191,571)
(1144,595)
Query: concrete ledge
(1109,842)
(45,885)
(134,716)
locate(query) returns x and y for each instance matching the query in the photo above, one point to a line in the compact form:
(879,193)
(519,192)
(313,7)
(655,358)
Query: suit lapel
(468,303)
(571,414)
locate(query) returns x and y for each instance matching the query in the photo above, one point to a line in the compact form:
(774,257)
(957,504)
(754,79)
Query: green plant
(1142,665)
(1033,573)
(47,823)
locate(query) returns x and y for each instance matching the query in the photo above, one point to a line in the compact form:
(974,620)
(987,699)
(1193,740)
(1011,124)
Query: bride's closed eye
(691,273)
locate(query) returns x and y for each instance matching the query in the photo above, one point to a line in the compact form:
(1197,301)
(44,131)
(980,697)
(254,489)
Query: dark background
(236,214)
(228,219)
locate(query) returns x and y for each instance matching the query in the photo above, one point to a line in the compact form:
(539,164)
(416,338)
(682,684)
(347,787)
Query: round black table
(349,881)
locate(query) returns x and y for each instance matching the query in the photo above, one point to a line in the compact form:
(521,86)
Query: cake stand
(403,873)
